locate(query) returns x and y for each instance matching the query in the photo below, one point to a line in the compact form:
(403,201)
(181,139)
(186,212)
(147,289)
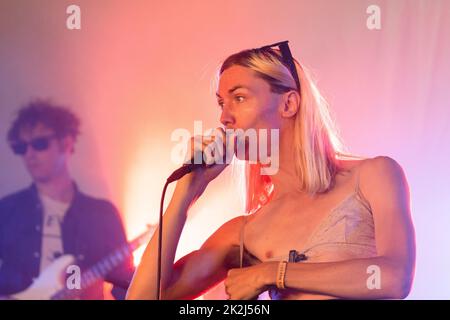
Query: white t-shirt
(52,244)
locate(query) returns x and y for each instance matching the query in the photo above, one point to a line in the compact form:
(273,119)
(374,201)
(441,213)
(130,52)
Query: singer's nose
(227,119)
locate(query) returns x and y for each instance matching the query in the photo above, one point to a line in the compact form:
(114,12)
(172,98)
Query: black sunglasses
(287,58)
(38,144)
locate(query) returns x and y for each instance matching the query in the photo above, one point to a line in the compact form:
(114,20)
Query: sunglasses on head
(287,58)
(38,144)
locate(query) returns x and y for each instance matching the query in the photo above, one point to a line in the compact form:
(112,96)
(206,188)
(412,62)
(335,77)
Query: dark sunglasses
(38,144)
(287,58)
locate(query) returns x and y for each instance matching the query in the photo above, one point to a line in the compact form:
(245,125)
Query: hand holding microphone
(208,157)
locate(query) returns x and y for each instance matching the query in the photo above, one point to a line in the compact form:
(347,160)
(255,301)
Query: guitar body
(49,282)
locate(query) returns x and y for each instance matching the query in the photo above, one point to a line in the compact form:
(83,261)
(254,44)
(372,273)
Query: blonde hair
(317,142)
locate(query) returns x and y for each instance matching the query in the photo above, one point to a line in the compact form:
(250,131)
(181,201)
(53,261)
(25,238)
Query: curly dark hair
(63,121)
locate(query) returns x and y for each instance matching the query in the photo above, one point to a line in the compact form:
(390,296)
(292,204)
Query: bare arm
(193,274)
(143,284)
(202,269)
(198,270)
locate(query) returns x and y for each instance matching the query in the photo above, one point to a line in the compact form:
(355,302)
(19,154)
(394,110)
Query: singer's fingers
(213,152)
(221,131)
(219,144)
(208,149)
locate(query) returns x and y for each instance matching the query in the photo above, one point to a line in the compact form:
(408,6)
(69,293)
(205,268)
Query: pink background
(137,70)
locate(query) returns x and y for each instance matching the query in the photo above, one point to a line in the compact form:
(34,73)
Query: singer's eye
(220,104)
(239,98)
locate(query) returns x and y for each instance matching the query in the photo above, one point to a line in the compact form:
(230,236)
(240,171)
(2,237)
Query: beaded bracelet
(281,274)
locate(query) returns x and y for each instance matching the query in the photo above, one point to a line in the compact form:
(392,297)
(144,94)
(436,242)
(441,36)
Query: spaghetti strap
(241,242)
(358,169)
(358,191)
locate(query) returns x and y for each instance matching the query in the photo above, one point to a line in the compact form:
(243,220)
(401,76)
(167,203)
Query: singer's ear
(290,104)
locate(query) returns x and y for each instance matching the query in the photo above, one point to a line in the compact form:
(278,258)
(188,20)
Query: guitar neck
(99,270)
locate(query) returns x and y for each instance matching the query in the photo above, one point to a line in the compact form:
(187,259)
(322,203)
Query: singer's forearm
(143,285)
(351,279)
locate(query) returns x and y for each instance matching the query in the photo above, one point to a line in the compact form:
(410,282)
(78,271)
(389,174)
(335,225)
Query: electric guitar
(51,283)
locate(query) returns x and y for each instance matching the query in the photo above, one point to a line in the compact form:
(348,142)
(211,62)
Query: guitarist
(53,217)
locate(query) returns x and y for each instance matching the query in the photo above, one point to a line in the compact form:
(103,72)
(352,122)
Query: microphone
(189,166)
(184,170)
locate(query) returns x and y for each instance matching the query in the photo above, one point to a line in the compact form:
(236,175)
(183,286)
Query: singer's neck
(286,180)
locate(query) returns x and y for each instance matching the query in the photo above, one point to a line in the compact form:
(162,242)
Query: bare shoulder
(376,166)
(383,183)
(382,169)
(377,172)
(370,164)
